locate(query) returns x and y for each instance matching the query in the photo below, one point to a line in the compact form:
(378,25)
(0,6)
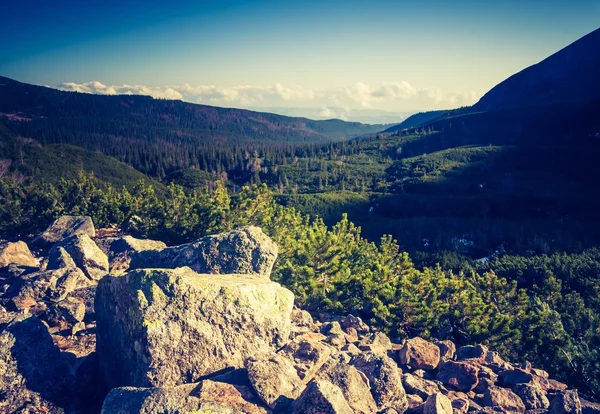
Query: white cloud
(391,96)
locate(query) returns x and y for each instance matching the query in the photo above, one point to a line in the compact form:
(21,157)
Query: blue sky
(323,57)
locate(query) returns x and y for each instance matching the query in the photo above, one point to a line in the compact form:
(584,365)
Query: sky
(356,60)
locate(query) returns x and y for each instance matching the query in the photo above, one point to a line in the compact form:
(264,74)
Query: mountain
(417,120)
(20,157)
(158,137)
(570,75)
(557,97)
(44,106)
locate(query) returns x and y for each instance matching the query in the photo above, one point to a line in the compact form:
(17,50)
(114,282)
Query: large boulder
(66,226)
(86,255)
(418,353)
(384,379)
(321,397)
(34,375)
(246,250)
(168,327)
(16,253)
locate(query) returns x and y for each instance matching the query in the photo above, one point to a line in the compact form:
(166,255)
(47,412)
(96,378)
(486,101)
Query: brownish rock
(461,376)
(504,399)
(418,353)
(17,253)
(238,397)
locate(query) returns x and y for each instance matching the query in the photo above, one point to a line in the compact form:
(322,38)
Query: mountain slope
(570,75)
(45,106)
(28,159)
(553,91)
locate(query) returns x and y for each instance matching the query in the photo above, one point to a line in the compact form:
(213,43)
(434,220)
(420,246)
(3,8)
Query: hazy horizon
(336,60)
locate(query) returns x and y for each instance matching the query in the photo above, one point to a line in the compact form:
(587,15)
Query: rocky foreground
(91,323)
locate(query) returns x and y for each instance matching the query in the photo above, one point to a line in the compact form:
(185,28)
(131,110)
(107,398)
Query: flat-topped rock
(167,327)
(66,226)
(246,250)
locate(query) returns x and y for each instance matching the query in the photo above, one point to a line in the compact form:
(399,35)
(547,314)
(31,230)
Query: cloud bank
(389,96)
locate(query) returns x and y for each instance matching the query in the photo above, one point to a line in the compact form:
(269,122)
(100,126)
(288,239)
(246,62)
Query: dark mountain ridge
(541,97)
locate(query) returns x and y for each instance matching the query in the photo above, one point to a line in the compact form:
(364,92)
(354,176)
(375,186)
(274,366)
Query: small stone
(357,323)
(273,379)
(321,397)
(437,404)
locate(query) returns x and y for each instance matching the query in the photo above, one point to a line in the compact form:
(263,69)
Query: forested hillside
(158,136)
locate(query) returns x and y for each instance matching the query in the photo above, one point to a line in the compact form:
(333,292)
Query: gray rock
(357,323)
(120,251)
(86,255)
(274,379)
(384,379)
(66,226)
(471,351)
(321,397)
(309,354)
(353,384)
(17,253)
(437,404)
(70,311)
(50,285)
(130,400)
(418,353)
(34,372)
(419,386)
(59,258)
(566,402)
(335,335)
(532,396)
(246,250)
(511,377)
(167,327)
